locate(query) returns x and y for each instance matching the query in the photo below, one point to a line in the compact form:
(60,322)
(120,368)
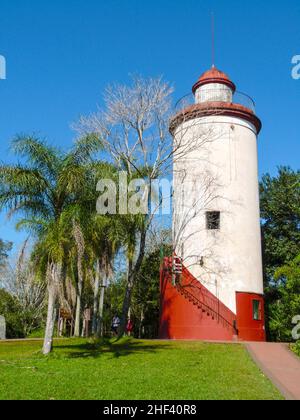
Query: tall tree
(95,239)
(146,296)
(280,212)
(287,306)
(29,291)
(39,192)
(134,129)
(80,245)
(105,247)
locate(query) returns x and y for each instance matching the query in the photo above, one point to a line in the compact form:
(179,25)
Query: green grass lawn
(80,369)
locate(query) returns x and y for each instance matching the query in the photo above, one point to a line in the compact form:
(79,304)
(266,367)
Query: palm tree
(48,258)
(105,245)
(39,192)
(94,237)
(129,233)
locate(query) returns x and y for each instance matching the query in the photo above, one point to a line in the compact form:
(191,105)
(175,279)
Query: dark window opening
(213,220)
(257,310)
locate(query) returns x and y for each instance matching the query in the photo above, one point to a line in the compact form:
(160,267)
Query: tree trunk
(101,309)
(83,329)
(96,300)
(54,277)
(141,328)
(78,312)
(131,281)
(127,299)
(79,239)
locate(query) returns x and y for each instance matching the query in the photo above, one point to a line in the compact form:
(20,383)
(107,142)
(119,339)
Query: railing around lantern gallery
(216,95)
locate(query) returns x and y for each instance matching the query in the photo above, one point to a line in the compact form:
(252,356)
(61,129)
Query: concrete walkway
(280,365)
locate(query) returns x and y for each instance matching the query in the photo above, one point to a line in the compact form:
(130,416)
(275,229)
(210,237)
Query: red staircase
(189,310)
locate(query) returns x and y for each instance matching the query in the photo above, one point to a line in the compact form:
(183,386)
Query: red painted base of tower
(182,320)
(190,312)
(249,328)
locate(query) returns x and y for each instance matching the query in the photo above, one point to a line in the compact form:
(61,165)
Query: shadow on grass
(116,348)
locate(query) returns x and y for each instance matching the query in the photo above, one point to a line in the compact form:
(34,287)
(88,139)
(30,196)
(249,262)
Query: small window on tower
(213,220)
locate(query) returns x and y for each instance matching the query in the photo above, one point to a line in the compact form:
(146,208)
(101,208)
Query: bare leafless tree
(30,292)
(137,129)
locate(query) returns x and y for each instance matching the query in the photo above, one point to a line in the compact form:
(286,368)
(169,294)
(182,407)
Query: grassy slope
(131,370)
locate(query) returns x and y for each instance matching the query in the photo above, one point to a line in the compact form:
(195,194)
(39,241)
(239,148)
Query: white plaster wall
(219,173)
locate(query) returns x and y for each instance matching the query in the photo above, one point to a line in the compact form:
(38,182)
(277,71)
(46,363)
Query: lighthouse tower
(212,288)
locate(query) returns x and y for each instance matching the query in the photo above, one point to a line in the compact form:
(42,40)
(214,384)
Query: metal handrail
(204,300)
(212,312)
(205,297)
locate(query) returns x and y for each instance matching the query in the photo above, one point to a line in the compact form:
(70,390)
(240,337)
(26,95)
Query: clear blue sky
(61,54)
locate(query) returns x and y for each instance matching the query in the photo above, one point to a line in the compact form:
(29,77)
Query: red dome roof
(214,76)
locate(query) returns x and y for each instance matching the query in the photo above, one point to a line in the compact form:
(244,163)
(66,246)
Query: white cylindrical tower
(216,221)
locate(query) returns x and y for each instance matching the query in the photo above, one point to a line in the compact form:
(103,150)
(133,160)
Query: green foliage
(38,333)
(114,300)
(47,193)
(5,248)
(280,212)
(53,196)
(11,311)
(146,297)
(296,348)
(130,370)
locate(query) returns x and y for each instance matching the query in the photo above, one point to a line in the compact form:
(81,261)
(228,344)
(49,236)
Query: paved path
(280,365)
(20,340)
(24,340)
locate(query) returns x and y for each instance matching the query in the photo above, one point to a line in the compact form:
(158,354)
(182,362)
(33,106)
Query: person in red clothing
(129,327)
